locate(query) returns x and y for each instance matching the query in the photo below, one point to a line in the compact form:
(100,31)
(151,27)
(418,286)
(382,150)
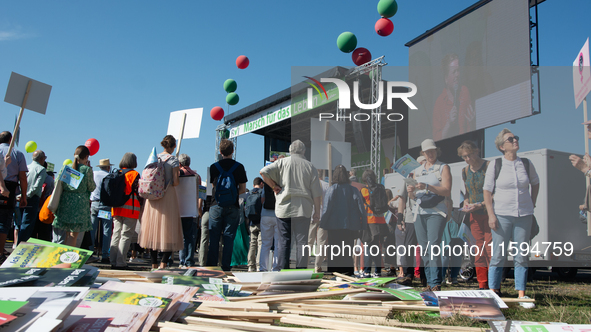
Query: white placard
(341,154)
(336,130)
(581,74)
(192,123)
(186,192)
(38,94)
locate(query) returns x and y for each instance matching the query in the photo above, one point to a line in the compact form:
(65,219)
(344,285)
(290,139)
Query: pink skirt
(161,223)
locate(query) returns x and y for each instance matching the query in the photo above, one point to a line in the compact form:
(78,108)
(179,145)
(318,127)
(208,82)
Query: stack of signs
(180,296)
(481,308)
(395,293)
(513,326)
(45,309)
(38,253)
(46,277)
(476,304)
(153,306)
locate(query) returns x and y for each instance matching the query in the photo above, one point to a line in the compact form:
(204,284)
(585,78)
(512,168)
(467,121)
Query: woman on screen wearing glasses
(510,215)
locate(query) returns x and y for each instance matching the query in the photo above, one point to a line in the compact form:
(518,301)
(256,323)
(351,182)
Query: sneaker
(136,260)
(376,275)
(317,269)
(498,292)
(405,281)
(356,273)
(527,305)
(363,275)
(454,283)
(105,261)
(426,289)
(389,272)
(436,288)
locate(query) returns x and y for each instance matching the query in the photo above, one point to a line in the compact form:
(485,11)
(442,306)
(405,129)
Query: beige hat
(428,144)
(104,163)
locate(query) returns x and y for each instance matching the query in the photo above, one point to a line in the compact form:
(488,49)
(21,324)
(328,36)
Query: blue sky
(118,68)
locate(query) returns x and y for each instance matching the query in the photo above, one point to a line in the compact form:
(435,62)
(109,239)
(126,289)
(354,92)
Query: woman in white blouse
(510,215)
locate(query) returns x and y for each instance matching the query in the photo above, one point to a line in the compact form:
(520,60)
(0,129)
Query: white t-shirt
(511,190)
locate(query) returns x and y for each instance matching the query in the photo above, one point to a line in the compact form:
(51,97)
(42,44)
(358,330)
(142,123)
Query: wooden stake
(310,295)
(20,116)
(178,147)
(587,179)
(340,325)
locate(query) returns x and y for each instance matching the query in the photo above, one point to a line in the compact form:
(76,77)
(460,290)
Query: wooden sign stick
(178,147)
(20,116)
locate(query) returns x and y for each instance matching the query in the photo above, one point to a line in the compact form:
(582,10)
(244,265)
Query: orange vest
(131,209)
(371,217)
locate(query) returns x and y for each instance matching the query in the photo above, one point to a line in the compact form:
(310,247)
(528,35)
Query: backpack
(253,206)
(378,200)
(151,184)
(226,192)
(113,189)
(535,227)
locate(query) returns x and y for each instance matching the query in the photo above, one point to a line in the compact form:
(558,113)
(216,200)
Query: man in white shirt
(96,206)
(35,180)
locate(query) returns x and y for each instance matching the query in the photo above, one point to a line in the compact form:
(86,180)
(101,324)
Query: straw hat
(104,163)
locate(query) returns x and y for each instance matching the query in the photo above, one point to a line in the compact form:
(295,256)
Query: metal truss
(374,68)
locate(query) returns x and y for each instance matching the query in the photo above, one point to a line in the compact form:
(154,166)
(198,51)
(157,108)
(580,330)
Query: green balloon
(230,85)
(387,8)
(347,42)
(232,98)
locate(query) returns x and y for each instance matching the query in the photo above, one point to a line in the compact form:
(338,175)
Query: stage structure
(287,105)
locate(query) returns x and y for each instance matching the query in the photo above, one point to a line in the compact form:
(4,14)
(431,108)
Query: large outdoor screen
(473,73)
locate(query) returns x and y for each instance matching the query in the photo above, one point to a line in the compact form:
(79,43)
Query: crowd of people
(292,204)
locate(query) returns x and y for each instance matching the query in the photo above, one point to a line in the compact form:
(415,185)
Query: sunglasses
(512,138)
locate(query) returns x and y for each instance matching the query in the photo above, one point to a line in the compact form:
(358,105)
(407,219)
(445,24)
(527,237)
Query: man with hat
(96,206)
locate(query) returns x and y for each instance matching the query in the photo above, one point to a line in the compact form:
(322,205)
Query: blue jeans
(107,227)
(186,255)
(30,216)
(516,229)
(429,230)
(454,263)
(223,222)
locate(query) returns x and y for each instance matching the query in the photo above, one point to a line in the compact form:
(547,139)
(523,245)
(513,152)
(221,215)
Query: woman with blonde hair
(510,213)
(161,221)
(72,214)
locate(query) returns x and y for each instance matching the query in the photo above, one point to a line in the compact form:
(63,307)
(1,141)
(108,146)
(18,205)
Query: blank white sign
(192,123)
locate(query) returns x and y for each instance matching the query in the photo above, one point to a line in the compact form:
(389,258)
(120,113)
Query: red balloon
(360,56)
(384,27)
(242,62)
(217,113)
(92,145)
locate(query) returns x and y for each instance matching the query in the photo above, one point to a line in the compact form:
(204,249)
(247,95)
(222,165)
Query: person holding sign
(72,214)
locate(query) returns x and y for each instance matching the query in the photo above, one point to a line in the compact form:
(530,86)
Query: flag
(153,157)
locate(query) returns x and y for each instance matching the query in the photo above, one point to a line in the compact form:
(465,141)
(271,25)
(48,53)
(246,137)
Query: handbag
(45,215)
(54,201)
(430,200)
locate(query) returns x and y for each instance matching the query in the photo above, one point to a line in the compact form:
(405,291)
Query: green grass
(556,301)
